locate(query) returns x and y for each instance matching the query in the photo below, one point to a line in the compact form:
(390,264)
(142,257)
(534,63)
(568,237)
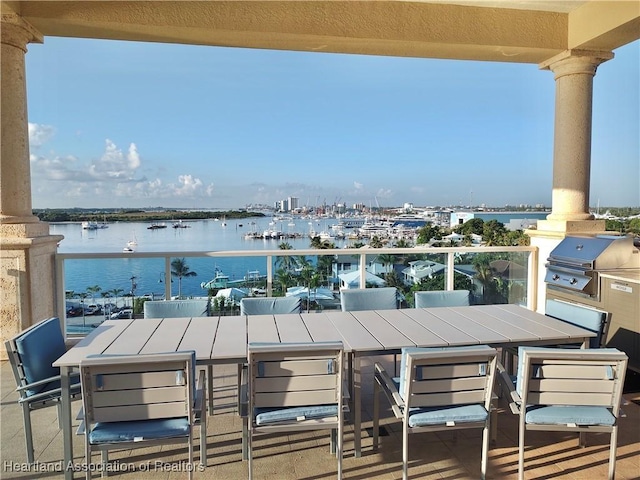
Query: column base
(27,267)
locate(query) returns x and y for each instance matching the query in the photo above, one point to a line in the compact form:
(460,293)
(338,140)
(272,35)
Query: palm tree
(180,269)
(92,291)
(284,279)
(287,262)
(387,260)
(116,292)
(376,242)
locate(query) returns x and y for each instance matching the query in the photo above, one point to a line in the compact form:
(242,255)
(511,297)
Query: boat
(156,226)
(180,224)
(224,221)
(133,242)
(220,280)
(127,249)
(90,225)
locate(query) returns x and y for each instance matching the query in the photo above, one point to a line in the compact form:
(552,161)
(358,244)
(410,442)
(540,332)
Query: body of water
(202,235)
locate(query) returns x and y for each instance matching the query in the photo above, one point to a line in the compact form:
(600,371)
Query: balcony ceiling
(526,31)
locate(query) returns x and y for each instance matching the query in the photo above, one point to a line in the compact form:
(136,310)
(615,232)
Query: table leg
(65,421)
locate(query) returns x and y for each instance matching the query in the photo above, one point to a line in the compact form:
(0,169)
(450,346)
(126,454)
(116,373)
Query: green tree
(92,291)
(283,279)
(180,270)
(402,243)
(116,292)
(387,261)
(428,232)
(376,242)
(287,262)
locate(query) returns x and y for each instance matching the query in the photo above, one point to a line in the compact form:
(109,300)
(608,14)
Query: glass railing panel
(496,277)
(120,283)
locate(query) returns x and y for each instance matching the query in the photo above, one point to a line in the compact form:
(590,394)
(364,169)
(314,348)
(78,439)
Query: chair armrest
(507,385)
(389,389)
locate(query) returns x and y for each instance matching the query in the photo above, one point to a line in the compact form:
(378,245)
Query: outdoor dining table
(224,340)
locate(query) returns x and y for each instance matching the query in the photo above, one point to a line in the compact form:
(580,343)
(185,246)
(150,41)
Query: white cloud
(115,164)
(358,186)
(40,134)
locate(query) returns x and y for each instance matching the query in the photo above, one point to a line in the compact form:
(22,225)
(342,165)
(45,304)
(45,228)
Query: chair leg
(210,387)
(245,439)
(521,452)
(333,437)
(28,436)
(613,445)
(191,466)
(376,413)
(250,452)
(405,451)
(340,446)
(104,458)
(485,451)
(203,436)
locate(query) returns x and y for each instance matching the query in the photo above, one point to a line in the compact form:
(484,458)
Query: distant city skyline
(134,125)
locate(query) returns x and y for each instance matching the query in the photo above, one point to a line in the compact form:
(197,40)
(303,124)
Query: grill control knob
(555,278)
(573,281)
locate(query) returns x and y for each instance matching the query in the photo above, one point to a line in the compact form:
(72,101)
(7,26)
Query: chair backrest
(33,351)
(296,375)
(432,377)
(138,387)
(175,308)
(354,299)
(442,298)
(269,305)
(581,316)
(575,377)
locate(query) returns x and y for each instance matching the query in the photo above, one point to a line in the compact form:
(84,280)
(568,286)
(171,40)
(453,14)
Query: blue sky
(123,124)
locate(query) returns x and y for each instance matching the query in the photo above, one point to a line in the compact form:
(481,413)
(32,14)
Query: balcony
(306,456)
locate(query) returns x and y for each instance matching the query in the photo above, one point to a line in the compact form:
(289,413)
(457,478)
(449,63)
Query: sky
(134,125)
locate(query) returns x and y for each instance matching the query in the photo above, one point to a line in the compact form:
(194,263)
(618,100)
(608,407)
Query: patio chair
(135,401)
(176,308)
(439,389)
(294,387)
(567,390)
(31,355)
(582,316)
(442,298)
(354,299)
(269,305)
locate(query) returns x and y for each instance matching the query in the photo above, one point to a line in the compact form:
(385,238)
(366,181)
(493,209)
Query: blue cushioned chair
(581,316)
(294,387)
(269,305)
(134,401)
(568,390)
(176,308)
(439,389)
(31,355)
(442,298)
(355,299)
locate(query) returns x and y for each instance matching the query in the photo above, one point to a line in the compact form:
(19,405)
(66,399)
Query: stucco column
(573,71)
(15,178)
(27,286)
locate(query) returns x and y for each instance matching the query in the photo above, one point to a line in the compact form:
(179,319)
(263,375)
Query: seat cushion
(269,305)
(421,417)
(38,348)
(581,316)
(137,431)
(266,416)
(562,415)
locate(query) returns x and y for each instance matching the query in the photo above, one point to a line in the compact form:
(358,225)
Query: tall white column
(27,285)
(574,71)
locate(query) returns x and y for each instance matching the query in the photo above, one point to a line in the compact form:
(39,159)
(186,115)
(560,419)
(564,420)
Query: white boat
(133,242)
(127,249)
(90,225)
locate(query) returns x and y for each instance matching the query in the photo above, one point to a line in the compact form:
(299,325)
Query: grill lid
(601,252)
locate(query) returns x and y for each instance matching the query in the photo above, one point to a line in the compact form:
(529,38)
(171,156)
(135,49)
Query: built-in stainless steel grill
(574,264)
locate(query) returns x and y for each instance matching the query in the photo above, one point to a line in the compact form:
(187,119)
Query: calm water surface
(202,235)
